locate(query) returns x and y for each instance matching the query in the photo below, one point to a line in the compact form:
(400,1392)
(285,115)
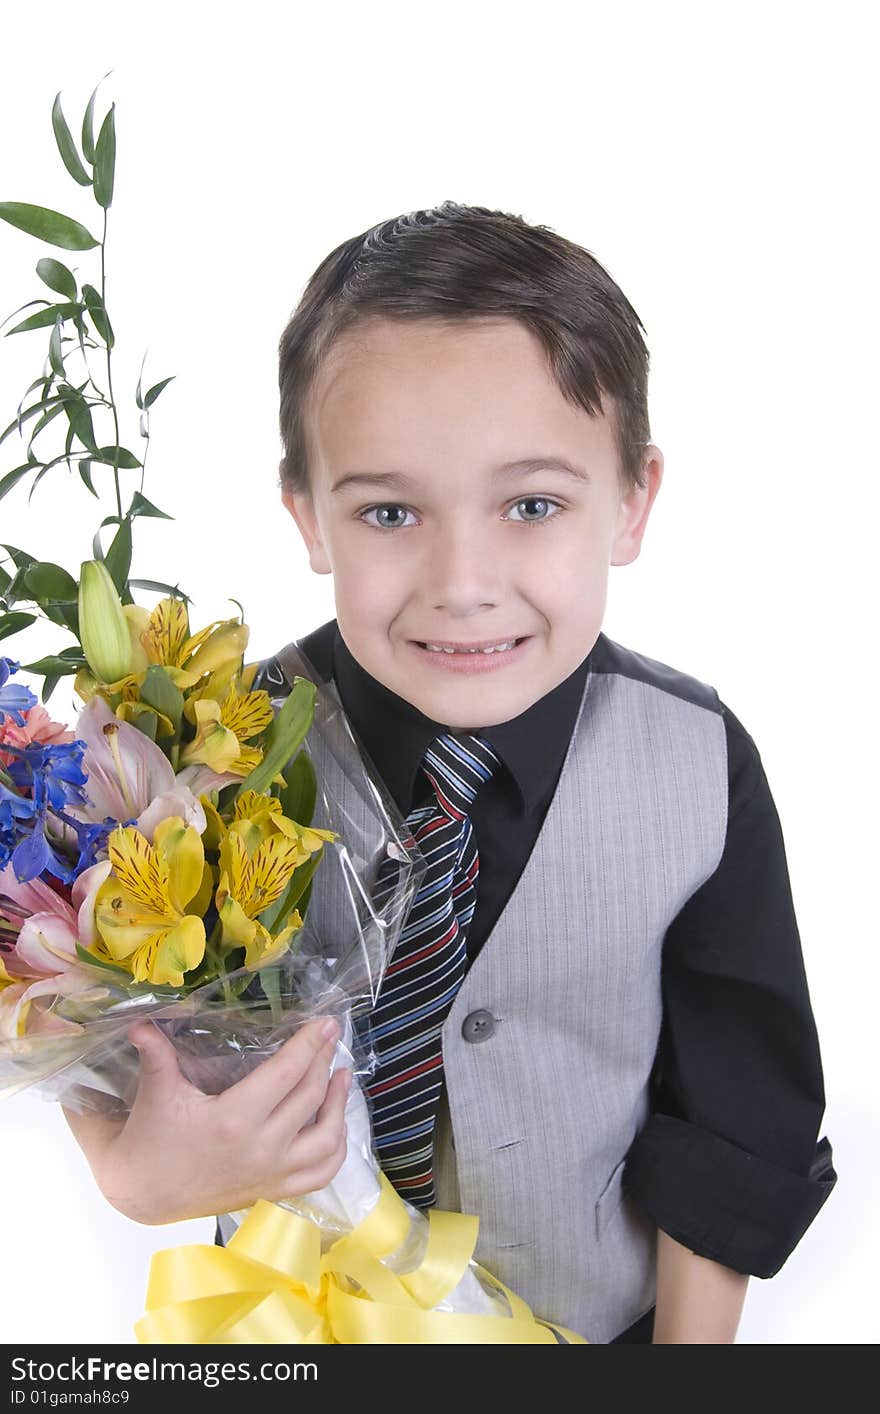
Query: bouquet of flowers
(158,859)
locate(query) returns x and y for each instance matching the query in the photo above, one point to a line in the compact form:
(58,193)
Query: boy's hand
(182,1154)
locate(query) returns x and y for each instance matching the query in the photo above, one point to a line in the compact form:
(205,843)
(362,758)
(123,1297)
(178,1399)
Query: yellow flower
(162,636)
(249,883)
(142,910)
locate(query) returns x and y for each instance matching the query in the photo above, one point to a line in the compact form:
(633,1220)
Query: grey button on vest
(478,1026)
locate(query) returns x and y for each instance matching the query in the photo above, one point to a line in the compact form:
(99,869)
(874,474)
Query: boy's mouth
(485,645)
(469,658)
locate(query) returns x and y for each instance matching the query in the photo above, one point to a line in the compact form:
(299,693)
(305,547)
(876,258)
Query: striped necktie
(427,968)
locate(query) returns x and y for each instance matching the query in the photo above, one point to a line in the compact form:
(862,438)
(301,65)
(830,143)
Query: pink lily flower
(129,776)
(42,960)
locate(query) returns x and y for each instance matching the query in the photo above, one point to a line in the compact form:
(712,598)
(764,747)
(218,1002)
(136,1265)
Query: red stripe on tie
(407,1075)
(426,952)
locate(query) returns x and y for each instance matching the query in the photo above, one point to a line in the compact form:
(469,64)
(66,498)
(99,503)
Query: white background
(720,161)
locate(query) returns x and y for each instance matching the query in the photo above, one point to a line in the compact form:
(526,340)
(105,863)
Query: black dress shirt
(728,1161)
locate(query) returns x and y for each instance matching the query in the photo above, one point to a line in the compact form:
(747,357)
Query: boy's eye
(540,501)
(382,510)
(399,512)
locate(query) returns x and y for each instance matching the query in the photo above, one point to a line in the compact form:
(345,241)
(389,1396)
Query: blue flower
(15,699)
(48,777)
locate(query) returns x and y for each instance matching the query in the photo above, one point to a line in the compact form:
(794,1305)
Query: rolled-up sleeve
(728,1162)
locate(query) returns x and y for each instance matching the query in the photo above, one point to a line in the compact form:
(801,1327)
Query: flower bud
(103,627)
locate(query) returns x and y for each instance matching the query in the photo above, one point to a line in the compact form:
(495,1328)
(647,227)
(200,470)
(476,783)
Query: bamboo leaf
(85,470)
(118,456)
(118,557)
(140,506)
(51,664)
(160,588)
(56,357)
(49,686)
(20,558)
(105,160)
(57,277)
(80,419)
(88,128)
(29,412)
(12,478)
(69,154)
(47,225)
(47,417)
(156,389)
(99,314)
(14,623)
(45,317)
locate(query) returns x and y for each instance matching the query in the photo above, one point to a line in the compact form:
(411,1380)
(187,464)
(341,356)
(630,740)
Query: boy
(630,1085)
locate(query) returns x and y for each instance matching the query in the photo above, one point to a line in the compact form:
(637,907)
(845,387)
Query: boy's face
(447,547)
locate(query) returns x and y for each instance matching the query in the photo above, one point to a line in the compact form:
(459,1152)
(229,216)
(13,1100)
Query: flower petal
(185,857)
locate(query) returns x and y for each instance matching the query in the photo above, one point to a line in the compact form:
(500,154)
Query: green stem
(109,375)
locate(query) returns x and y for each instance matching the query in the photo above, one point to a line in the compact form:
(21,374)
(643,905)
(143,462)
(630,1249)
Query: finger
(159,1073)
(316,1176)
(315,1141)
(274,1078)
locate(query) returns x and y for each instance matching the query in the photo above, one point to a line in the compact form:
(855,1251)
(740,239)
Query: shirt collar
(396,734)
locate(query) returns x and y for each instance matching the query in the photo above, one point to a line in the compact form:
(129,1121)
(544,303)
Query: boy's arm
(699,1302)
(727,1164)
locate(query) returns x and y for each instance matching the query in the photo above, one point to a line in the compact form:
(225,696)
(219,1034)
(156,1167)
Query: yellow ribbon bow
(272,1286)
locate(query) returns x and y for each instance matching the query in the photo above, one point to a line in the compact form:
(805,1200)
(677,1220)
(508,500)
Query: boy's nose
(463,570)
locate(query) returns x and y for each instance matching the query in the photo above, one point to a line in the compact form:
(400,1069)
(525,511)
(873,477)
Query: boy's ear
(634,509)
(303,512)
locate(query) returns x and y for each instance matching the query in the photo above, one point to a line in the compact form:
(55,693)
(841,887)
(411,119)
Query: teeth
(500,648)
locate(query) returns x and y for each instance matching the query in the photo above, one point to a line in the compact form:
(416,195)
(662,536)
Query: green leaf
(69,154)
(160,588)
(88,139)
(275,916)
(47,225)
(57,277)
(20,558)
(29,412)
(51,664)
(85,470)
(105,160)
(156,389)
(269,982)
(42,472)
(298,796)
(46,580)
(118,557)
(80,419)
(46,418)
(14,623)
(49,686)
(120,456)
(99,314)
(140,506)
(13,477)
(158,691)
(284,736)
(56,357)
(45,317)
(93,961)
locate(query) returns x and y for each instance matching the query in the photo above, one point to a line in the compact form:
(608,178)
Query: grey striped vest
(548,1086)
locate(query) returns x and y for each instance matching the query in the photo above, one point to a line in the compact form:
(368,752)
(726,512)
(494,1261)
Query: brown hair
(452,263)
